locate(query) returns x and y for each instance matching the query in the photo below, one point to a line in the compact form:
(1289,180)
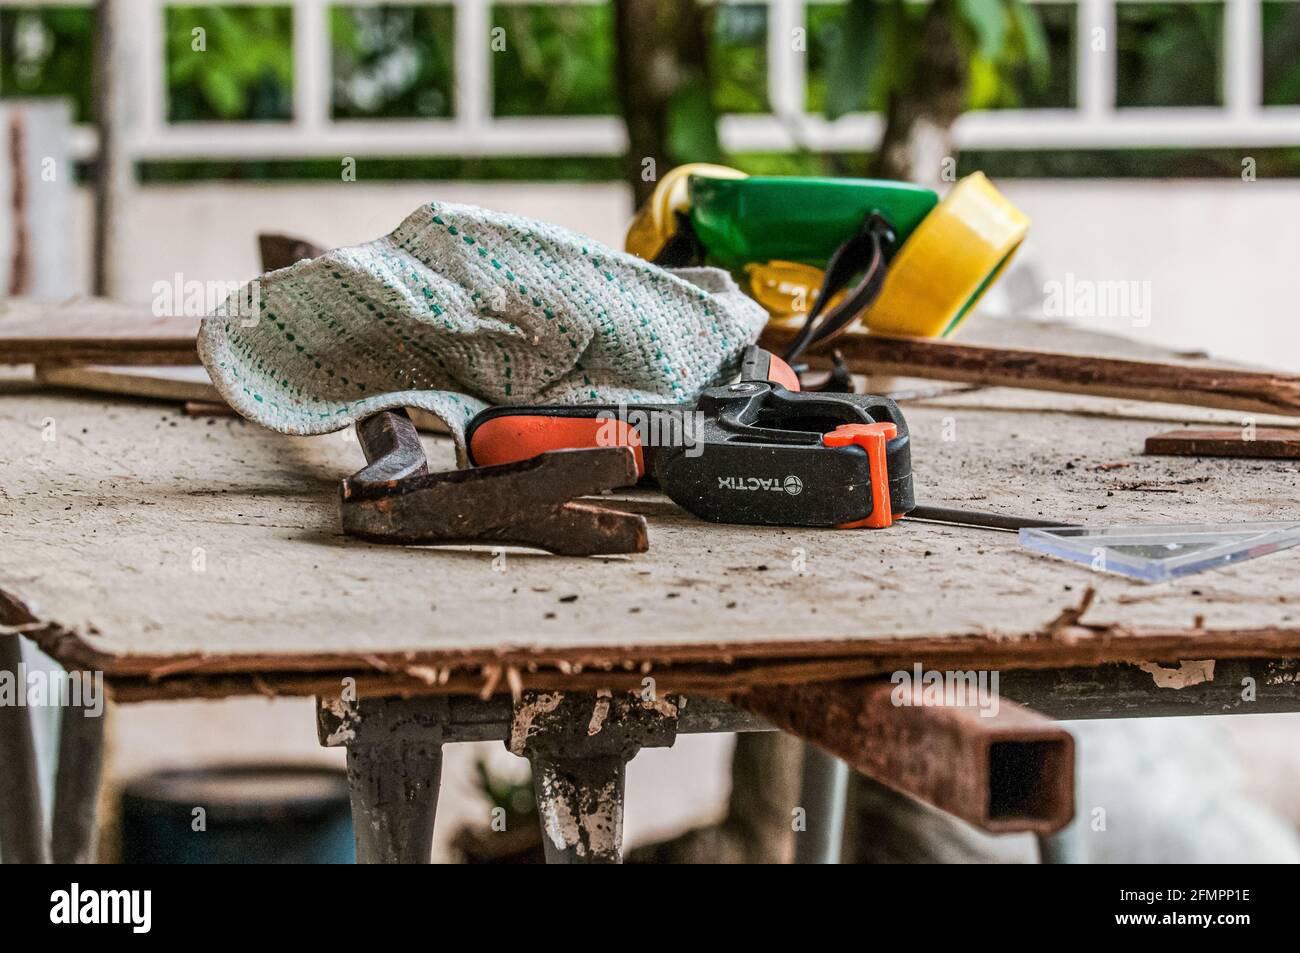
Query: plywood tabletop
(150,544)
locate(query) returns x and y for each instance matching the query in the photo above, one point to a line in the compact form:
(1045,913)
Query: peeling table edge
(721,665)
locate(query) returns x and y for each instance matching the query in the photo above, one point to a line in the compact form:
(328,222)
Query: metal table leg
(76,786)
(394,790)
(1068,845)
(822,794)
(1063,847)
(22,825)
(394,752)
(580,807)
(579,746)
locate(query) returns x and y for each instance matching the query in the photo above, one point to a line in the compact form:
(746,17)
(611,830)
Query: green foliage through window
(739,58)
(1169,54)
(1281,53)
(552,60)
(229,63)
(1018,82)
(392,62)
(47,51)
(824,23)
(1022,54)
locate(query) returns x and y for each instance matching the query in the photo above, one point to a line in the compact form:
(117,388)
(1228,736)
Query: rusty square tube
(1006,772)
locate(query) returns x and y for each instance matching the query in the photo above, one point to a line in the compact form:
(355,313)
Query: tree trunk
(919,117)
(662,45)
(20,266)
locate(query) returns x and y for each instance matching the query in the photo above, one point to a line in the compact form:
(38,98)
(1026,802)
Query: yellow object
(787,289)
(947,264)
(656,220)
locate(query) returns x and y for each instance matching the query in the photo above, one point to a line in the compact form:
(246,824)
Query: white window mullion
(1242,59)
(312,65)
(474,131)
(787,66)
(473,71)
(1096,42)
(143,28)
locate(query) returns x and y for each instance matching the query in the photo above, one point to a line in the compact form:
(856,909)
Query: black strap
(683,248)
(864,252)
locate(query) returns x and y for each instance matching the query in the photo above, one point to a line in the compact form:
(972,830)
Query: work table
(202,556)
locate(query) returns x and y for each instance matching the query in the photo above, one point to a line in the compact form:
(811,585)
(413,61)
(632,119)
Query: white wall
(208,231)
(43,173)
(1221,257)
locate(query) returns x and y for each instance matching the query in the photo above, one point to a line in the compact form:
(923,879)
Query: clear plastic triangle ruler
(1159,552)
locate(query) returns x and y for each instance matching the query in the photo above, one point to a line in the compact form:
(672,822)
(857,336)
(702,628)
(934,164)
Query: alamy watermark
(38,688)
(653,428)
(133,908)
(1086,298)
(950,689)
(198,299)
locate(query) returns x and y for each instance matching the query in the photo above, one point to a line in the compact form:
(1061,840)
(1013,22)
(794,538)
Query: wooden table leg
(76,786)
(22,825)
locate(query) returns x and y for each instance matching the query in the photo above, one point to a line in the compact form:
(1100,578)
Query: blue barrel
(238,814)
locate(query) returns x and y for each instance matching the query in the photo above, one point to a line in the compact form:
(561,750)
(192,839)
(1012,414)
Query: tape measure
(950,261)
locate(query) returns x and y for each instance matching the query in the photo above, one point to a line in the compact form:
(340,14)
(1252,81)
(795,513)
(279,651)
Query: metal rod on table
(981,519)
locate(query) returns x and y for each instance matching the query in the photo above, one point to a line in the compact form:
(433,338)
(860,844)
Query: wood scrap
(98,331)
(281,251)
(93,331)
(190,384)
(1189,384)
(199,408)
(1277,443)
(65,342)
